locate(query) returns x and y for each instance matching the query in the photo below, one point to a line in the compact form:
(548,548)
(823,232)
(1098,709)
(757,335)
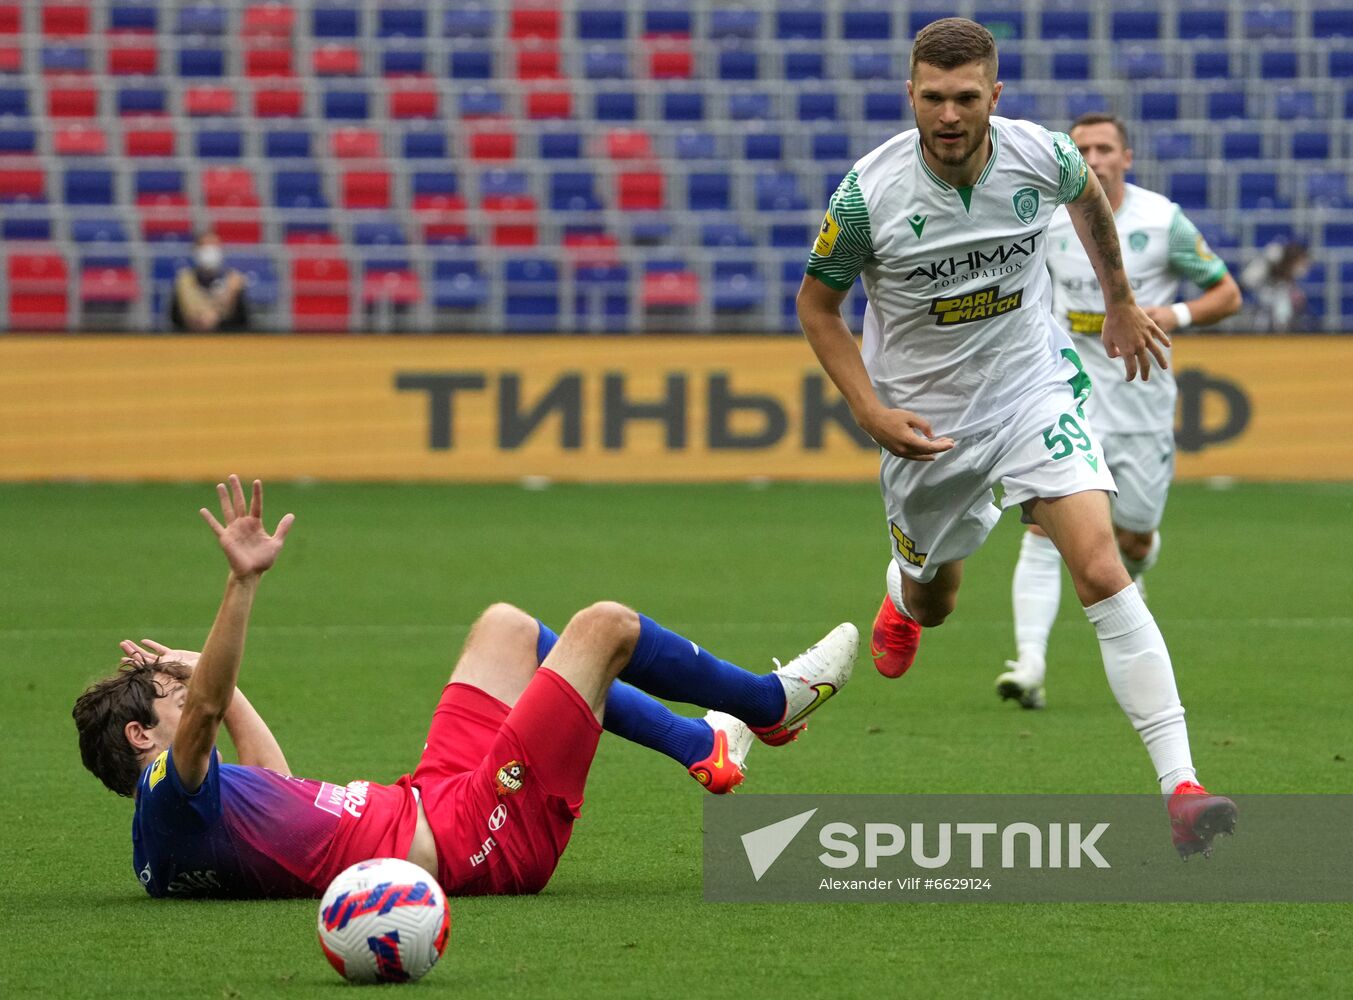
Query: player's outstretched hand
(905,434)
(1130,334)
(136,654)
(248,547)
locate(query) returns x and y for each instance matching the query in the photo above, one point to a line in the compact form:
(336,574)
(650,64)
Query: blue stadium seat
(683,106)
(1292,102)
(1332,22)
(920,17)
(15,141)
(498,183)
(738,64)
(734,23)
(1223,104)
(561,146)
(1327,189)
(1159,106)
(606,64)
(574,191)
(14,101)
(751,105)
(737,286)
(1280,64)
(1242,145)
(1071,66)
(601,296)
(425,145)
(458,284)
(1134,25)
(98,231)
(25,227)
(1082,102)
(298,189)
(725,234)
(867,25)
(1340,66)
(1019,104)
(1259,189)
(616,106)
(1174,146)
(1011,65)
(867,65)
(57,59)
(401,22)
(709,192)
(381,233)
(202,19)
(480,102)
(694,144)
(791,235)
(1196,25)
(434,182)
(1269,22)
(601,24)
(1005,21)
(134,17)
(335,22)
(141,101)
(471,64)
(220,144)
(345,105)
(1311,145)
(805,65)
(1138,63)
(796,23)
(831,146)
(1189,189)
(531,294)
(199,63)
(88,187)
(1346,292)
(1212,65)
(1338,234)
(163,270)
(158,180)
(816,106)
(763,146)
(883,105)
(468,21)
(260,272)
(1073,25)
(403,62)
(779,192)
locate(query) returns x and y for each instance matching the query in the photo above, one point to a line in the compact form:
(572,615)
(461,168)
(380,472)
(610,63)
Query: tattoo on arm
(1104,234)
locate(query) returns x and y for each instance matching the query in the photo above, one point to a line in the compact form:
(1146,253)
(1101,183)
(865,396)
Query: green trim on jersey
(991,162)
(1080,382)
(845,243)
(963,192)
(966,194)
(1190,256)
(1072,173)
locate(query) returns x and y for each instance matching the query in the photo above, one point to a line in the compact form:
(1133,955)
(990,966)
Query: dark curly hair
(101,715)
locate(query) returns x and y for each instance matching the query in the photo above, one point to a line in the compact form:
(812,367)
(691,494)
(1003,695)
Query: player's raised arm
(250,551)
(1128,332)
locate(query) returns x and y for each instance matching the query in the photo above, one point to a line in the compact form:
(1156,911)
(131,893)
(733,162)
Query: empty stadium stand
(593,165)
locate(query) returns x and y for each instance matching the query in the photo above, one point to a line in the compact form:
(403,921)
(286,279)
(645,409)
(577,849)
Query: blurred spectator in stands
(1274,280)
(209,297)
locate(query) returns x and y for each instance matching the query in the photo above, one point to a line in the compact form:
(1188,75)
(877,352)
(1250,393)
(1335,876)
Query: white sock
(1036,594)
(1137,665)
(895,588)
(1136,567)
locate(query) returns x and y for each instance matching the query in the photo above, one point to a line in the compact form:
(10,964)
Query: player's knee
(611,625)
(1134,545)
(1102,577)
(503,625)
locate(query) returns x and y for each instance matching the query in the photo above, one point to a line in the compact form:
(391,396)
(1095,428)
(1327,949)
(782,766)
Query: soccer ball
(384,921)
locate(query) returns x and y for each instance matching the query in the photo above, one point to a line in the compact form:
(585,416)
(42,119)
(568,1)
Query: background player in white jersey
(1134,421)
(967,382)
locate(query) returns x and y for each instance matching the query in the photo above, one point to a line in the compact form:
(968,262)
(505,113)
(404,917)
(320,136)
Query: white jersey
(959,327)
(1160,247)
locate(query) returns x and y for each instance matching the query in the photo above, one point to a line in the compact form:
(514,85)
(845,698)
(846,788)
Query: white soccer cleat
(810,679)
(725,767)
(1021,684)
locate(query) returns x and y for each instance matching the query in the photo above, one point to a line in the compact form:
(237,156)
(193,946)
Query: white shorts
(942,511)
(1143,465)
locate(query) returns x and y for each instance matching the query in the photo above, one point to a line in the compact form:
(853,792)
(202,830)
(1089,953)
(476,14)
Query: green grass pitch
(357,628)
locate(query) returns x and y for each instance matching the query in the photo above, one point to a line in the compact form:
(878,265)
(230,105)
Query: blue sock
(635,716)
(669,666)
(545,641)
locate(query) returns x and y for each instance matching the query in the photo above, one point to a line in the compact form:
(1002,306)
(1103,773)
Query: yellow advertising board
(567,408)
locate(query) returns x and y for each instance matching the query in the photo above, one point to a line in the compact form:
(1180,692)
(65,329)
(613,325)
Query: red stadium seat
(11,59)
(392,285)
(11,19)
(206,102)
(229,187)
(38,292)
(320,294)
(268,20)
(666,63)
(629,144)
(109,285)
(73,102)
(421,103)
(366,189)
(512,220)
(671,289)
(640,192)
(268,62)
(149,142)
(164,216)
(493,146)
(65,20)
(79,140)
(538,64)
(237,227)
(279,102)
(535,22)
(549,104)
(355,144)
(133,60)
(336,60)
(22,186)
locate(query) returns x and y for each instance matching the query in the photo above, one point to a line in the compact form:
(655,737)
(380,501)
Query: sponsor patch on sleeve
(826,237)
(158,769)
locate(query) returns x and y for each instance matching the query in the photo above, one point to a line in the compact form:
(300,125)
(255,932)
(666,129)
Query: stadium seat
(779,192)
(574,191)
(1242,145)
(693,144)
(421,102)
(1174,146)
(1223,104)
(683,106)
(1259,189)
(817,107)
(270,20)
(1159,106)
(534,22)
(530,294)
(606,64)
(471,64)
(202,19)
(725,24)
(1311,145)
(336,60)
(629,144)
(79,140)
(356,143)
(870,25)
(806,65)
(197,63)
(209,102)
(641,191)
(64,60)
(133,18)
(279,102)
(229,187)
(365,189)
(65,20)
(1189,189)
(793,24)
(335,22)
(1071,66)
(345,105)
(560,145)
(1073,25)
(1267,21)
(601,24)
(88,187)
(668,286)
(1280,64)
(424,145)
(18,141)
(287,144)
(72,102)
(1328,189)
(38,286)
(458,284)
(1198,24)
(1134,25)
(1209,65)
(133,60)
(737,286)
(390,282)
(321,290)
(396,63)
(220,144)
(471,20)
(763,146)
(709,192)
(401,22)
(22,186)
(1332,22)
(261,278)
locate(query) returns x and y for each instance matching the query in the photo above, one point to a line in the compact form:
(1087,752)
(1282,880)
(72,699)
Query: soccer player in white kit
(966,381)
(1134,421)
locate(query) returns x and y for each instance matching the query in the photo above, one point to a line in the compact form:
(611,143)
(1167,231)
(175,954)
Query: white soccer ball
(384,921)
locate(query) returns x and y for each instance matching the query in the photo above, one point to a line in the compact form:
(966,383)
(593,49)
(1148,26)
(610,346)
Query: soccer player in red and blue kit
(490,806)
